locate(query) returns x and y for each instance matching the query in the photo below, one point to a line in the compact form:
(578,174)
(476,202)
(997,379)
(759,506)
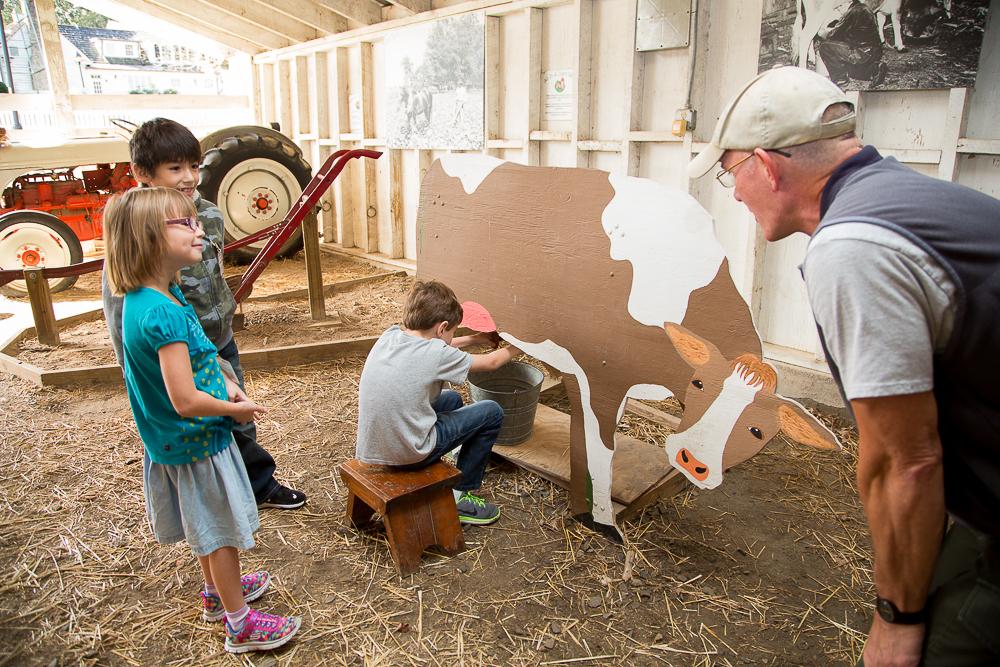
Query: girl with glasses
(194,479)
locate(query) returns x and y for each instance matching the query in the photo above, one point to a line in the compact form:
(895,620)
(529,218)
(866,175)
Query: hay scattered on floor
(771,568)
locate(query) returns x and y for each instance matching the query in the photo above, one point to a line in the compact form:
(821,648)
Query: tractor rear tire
(34,238)
(254,175)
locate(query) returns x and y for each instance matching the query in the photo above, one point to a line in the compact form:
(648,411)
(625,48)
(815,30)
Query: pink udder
(477,318)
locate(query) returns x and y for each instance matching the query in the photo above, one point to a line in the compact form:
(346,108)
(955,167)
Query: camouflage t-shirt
(203,286)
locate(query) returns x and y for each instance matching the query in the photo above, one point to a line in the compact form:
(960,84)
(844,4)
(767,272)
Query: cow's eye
(756,432)
(698,384)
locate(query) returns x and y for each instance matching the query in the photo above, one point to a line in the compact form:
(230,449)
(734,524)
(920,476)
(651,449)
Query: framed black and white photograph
(435,81)
(877,44)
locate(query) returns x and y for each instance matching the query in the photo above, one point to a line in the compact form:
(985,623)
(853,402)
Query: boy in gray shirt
(404,417)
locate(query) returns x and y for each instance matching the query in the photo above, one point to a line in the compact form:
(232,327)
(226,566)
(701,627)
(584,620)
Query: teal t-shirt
(150,320)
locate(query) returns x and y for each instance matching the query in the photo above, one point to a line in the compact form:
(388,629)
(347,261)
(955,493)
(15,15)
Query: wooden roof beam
(194,11)
(265,18)
(310,12)
(403,8)
(192,24)
(364,12)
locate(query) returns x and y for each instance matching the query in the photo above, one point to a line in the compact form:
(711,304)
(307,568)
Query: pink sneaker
(254,585)
(261,632)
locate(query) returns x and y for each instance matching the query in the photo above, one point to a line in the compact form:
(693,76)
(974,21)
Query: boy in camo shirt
(165,153)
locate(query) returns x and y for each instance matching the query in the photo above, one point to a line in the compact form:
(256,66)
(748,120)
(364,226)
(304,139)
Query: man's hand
(246,411)
(891,645)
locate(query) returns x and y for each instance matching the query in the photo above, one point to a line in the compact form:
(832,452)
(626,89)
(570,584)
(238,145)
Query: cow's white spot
(670,241)
(470,168)
(707,439)
(598,456)
(649,392)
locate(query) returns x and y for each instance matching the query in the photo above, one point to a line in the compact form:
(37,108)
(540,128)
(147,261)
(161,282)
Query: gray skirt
(209,503)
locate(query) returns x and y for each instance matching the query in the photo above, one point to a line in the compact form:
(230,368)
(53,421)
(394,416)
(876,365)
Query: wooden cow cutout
(619,283)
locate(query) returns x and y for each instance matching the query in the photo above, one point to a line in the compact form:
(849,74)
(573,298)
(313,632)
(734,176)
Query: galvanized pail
(515,386)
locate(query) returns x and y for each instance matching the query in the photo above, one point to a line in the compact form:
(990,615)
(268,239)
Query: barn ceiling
(253,26)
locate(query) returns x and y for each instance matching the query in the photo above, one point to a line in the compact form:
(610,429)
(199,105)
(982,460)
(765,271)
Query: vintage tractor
(51,204)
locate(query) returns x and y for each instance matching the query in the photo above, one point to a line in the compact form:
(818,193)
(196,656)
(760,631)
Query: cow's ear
(692,348)
(802,427)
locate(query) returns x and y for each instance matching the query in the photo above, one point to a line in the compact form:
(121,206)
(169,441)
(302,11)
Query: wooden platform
(641,472)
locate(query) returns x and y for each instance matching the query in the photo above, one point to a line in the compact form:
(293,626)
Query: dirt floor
(772,568)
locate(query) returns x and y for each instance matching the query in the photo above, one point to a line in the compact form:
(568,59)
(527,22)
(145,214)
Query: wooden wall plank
(954,130)
(369,230)
(346,209)
(533,84)
(397,231)
(584,62)
(284,92)
(493,100)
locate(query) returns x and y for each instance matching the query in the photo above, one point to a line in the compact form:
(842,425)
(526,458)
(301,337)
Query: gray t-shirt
(885,306)
(402,377)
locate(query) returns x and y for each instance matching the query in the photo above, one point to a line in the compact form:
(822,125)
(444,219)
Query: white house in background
(117,62)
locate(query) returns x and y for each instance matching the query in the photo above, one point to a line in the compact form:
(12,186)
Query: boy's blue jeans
(474,427)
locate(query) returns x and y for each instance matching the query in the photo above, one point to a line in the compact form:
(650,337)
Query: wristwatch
(890,613)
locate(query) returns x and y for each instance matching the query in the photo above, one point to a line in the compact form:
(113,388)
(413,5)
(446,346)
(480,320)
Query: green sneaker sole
(476,521)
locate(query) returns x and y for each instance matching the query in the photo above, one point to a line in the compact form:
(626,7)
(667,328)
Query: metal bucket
(515,386)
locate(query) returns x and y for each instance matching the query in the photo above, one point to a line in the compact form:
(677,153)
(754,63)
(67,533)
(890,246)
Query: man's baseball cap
(779,108)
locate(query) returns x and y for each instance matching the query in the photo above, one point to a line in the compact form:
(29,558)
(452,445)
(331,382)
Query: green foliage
(69,14)
(454,54)
(3,88)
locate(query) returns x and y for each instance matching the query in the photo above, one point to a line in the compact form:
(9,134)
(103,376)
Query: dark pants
(963,629)
(259,464)
(474,427)
(845,60)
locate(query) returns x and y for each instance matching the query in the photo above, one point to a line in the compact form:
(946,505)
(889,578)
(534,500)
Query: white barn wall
(914,126)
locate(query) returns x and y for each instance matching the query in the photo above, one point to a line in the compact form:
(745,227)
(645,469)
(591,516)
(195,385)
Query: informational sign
(560,94)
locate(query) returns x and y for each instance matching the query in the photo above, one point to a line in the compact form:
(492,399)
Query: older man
(903,274)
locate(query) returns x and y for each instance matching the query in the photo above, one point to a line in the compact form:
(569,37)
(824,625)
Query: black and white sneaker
(284,498)
(473,509)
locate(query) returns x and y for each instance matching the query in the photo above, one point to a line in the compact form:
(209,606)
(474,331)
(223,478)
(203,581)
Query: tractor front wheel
(31,239)
(254,175)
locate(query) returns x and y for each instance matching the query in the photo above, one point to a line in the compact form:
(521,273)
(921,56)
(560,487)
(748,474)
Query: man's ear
(796,422)
(140,174)
(769,167)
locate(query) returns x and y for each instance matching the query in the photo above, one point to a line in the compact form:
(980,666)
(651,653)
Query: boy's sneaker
(261,632)
(284,498)
(254,585)
(473,509)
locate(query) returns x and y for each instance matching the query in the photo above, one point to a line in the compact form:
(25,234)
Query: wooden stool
(417,508)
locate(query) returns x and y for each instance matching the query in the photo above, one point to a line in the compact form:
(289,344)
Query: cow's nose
(696,468)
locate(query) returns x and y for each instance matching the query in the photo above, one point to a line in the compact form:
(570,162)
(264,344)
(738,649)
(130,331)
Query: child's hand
(491,338)
(233,391)
(245,411)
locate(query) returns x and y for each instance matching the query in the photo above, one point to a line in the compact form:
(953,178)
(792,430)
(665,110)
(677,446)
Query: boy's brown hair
(134,233)
(430,303)
(161,140)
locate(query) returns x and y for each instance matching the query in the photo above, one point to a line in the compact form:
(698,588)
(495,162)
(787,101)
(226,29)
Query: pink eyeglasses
(191,222)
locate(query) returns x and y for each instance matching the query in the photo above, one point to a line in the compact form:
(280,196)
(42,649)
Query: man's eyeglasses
(191,222)
(727,179)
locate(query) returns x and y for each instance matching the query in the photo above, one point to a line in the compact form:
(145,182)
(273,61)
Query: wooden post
(584,60)
(954,129)
(494,96)
(41,306)
(345,184)
(398,230)
(55,63)
(534,85)
(314,270)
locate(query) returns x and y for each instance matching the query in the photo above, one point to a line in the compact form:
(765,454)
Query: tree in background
(69,14)
(454,54)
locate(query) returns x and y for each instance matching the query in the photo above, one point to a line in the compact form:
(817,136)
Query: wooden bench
(417,508)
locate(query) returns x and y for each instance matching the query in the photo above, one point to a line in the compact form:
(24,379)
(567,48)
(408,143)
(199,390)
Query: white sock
(210,589)
(237,617)
(458,494)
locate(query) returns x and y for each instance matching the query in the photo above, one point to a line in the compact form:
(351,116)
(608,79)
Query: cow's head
(731,412)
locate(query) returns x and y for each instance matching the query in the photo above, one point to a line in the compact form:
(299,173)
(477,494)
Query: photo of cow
(877,44)
(434,79)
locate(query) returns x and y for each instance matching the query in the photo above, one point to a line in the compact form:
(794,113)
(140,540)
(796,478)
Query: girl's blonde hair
(133,234)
